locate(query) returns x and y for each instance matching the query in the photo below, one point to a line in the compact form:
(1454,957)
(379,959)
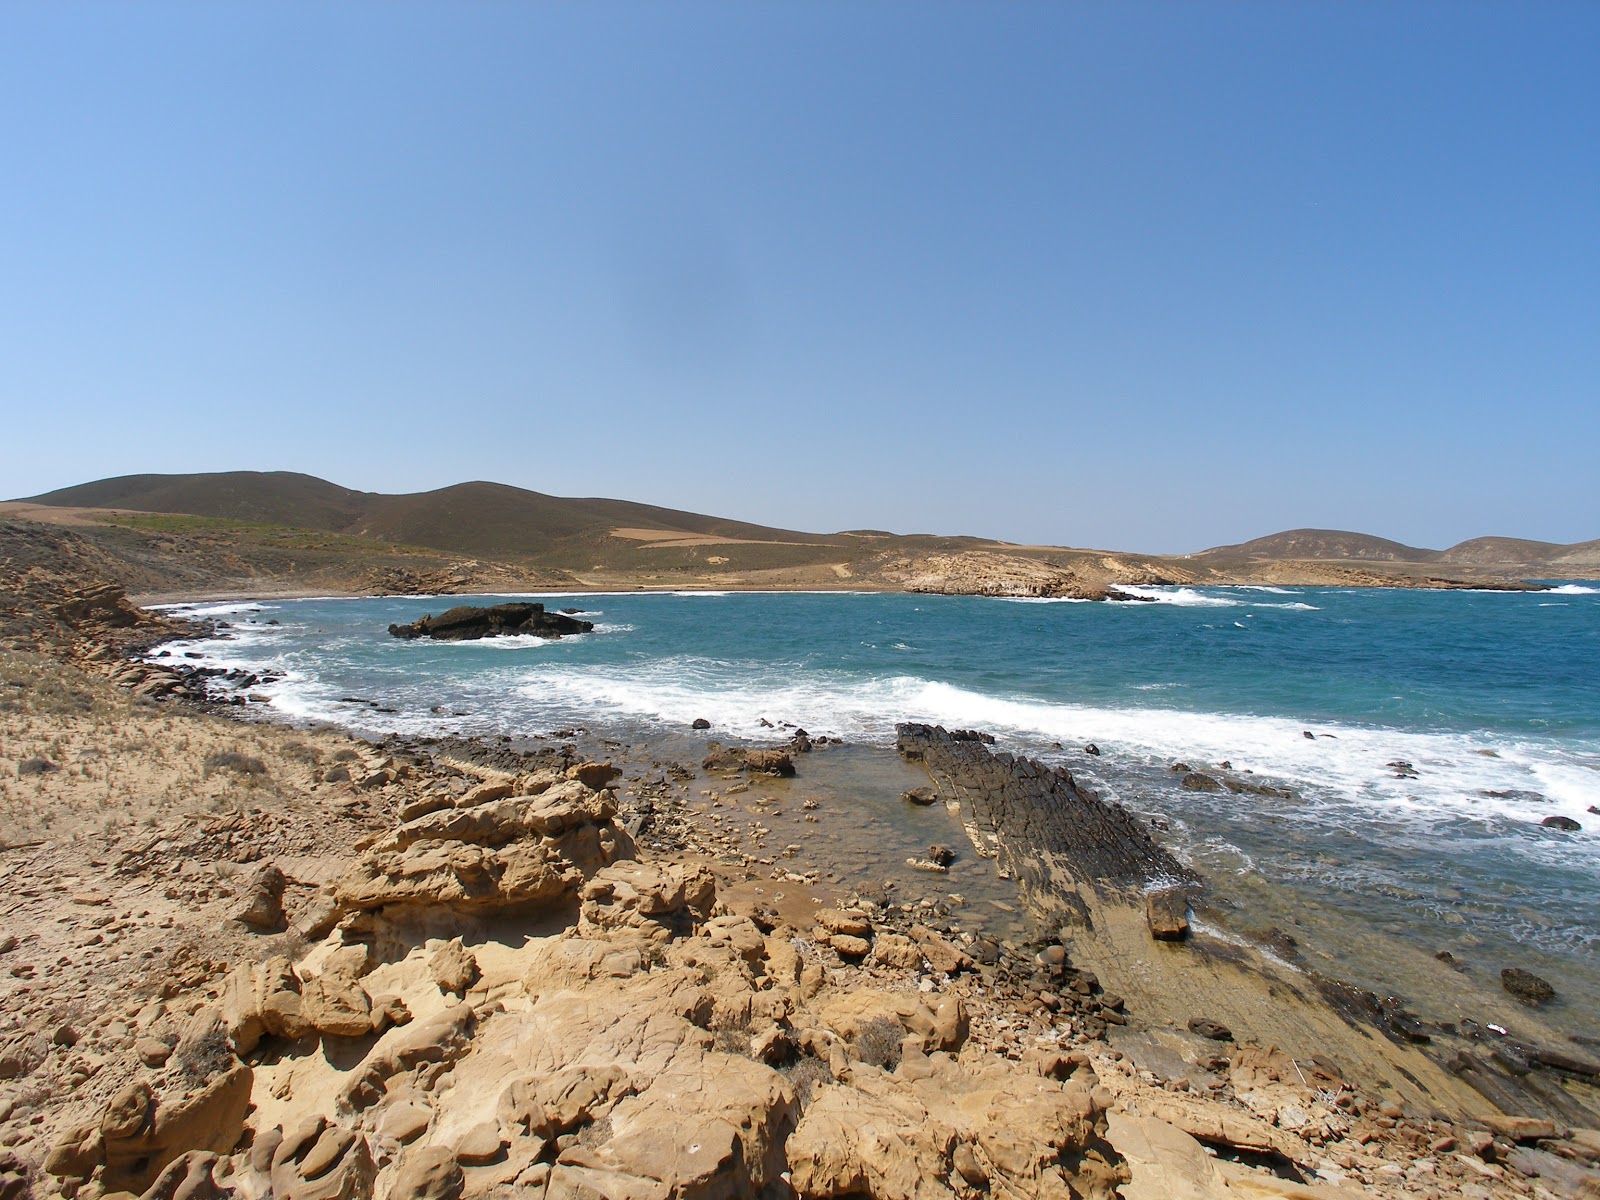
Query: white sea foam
(227,609)
(1292,606)
(1574,589)
(1261,587)
(1044,599)
(1182,596)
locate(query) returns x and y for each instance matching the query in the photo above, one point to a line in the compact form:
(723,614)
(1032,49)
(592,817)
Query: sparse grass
(878,1043)
(731,1036)
(203,1058)
(232,760)
(595,1132)
(805,1075)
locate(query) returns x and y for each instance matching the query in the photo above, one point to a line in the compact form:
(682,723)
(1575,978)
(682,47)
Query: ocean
(1443,726)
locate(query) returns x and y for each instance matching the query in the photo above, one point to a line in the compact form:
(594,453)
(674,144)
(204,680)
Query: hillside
(244,531)
(1325,544)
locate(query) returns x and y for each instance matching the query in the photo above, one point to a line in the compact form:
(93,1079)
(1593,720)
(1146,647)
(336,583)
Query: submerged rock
(1526,986)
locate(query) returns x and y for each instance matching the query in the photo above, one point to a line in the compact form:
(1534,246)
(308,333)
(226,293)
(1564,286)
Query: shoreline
(1153,1092)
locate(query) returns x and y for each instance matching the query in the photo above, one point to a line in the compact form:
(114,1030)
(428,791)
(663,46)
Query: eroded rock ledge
(1055,837)
(468,622)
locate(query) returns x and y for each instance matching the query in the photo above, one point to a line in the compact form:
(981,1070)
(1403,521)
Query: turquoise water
(1493,698)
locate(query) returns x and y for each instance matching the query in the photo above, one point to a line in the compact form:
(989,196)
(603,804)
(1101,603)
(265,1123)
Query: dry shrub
(232,760)
(878,1043)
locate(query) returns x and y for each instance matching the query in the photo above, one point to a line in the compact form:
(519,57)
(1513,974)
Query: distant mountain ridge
(1343,546)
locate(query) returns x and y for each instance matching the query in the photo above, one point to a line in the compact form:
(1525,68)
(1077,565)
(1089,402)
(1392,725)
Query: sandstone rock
(142,1132)
(316,1161)
(483,793)
(923,796)
(261,900)
(188,1177)
(422,806)
(593,775)
(896,950)
(848,946)
(441,1038)
(152,1052)
(942,955)
(480,1145)
(1167,913)
(405,1122)
(463,877)
(1526,986)
(428,1173)
(336,1005)
(1207,1028)
(1524,1129)
(453,967)
(662,900)
(850,921)
(896,1139)
(284,1015)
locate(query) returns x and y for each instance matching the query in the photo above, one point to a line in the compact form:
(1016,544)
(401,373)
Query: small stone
(152,1052)
(1207,1028)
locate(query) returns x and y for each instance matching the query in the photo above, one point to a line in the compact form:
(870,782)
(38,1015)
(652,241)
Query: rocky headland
(238,958)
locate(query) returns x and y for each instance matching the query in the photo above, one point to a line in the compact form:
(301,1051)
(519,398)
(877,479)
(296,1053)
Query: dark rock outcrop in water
(1054,837)
(467,622)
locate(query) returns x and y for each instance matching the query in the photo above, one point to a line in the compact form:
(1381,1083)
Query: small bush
(345,755)
(731,1036)
(204,1057)
(806,1075)
(232,760)
(878,1043)
(36,766)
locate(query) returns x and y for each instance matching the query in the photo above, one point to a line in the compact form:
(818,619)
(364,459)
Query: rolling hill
(1325,544)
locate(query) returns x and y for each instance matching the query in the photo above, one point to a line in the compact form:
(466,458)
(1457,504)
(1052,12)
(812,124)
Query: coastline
(1155,1081)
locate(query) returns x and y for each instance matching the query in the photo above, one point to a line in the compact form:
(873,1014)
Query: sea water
(1490,700)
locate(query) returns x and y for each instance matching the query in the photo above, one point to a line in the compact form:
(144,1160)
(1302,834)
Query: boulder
(319,1161)
(337,1005)
(1198,781)
(661,901)
(142,1131)
(1566,824)
(769,762)
(922,795)
(850,921)
(260,904)
(453,967)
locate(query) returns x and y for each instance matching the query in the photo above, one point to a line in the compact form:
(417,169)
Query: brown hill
(1501,550)
(1325,544)
(489,520)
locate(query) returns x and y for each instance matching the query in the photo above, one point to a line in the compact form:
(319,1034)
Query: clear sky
(1152,276)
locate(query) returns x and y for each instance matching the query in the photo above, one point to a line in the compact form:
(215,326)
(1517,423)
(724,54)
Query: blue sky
(1134,275)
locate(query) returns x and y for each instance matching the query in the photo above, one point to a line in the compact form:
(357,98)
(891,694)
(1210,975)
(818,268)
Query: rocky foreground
(247,960)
